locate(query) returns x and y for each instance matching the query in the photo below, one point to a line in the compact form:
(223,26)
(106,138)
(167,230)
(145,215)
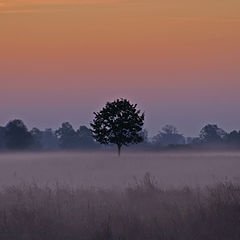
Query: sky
(61,60)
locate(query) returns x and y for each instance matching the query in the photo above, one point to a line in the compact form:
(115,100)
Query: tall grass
(143,211)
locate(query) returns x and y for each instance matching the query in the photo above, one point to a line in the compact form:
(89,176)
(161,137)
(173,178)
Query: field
(140,196)
(107,170)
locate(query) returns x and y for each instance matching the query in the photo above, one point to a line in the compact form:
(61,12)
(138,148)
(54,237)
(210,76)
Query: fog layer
(97,169)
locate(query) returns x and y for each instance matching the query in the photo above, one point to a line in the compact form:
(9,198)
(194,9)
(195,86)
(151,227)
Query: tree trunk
(119,150)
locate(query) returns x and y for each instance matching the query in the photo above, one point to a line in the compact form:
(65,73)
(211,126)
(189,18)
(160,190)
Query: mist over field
(100,196)
(107,170)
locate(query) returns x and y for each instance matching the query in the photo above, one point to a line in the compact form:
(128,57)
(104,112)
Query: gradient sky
(60,60)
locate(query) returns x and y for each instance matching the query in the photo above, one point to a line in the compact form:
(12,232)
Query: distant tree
(49,140)
(195,141)
(168,136)
(85,138)
(190,140)
(144,135)
(2,138)
(37,138)
(145,141)
(67,136)
(169,130)
(211,133)
(120,123)
(17,136)
(233,138)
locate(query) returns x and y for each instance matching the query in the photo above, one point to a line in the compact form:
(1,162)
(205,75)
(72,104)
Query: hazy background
(61,60)
(107,170)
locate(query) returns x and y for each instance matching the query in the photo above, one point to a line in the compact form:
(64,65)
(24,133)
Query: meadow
(139,196)
(107,170)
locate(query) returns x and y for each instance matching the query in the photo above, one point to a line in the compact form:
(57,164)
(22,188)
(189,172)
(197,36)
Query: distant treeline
(16,136)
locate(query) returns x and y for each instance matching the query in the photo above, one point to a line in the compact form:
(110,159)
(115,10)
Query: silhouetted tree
(145,141)
(17,136)
(233,138)
(194,141)
(168,136)
(2,138)
(144,135)
(67,136)
(211,133)
(49,139)
(37,138)
(169,130)
(85,138)
(120,123)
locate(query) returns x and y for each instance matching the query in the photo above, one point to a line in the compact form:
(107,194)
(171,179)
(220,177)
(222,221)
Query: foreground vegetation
(142,211)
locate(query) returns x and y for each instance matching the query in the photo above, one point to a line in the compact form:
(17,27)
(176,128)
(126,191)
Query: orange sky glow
(62,59)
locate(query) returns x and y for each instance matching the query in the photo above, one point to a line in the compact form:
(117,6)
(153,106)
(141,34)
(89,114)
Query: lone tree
(120,123)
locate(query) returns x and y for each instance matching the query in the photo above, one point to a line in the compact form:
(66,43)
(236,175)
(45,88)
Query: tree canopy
(17,135)
(168,136)
(120,123)
(211,133)
(67,136)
